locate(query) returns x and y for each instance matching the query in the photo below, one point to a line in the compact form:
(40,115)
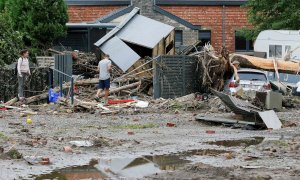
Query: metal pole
(223,26)
(72,91)
(60,84)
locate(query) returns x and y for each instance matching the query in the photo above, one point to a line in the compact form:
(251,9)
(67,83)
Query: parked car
(250,79)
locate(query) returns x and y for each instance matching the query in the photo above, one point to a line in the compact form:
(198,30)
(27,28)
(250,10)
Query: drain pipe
(223,25)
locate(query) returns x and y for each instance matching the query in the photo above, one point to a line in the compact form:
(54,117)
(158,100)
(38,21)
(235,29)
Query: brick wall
(210,17)
(89,13)
(146,9)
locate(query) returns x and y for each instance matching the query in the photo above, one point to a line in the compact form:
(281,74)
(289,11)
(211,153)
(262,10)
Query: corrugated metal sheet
(64,64)
(241,107)
(144,31)
(121,54)
(117,29)
(175,76)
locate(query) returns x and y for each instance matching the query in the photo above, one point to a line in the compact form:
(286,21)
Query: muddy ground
(142,145)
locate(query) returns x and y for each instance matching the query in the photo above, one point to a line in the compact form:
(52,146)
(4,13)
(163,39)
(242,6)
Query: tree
(10,41)
(41,21)
(270,14)
(2,4)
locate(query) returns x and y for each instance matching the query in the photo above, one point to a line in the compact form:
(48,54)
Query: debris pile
(132,91)
(213,68)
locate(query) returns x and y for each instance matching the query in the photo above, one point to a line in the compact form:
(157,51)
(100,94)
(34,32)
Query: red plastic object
(210,132)
(3,109)
(120,101)
(170,124)
(130,133)
(267,86)
(233,85)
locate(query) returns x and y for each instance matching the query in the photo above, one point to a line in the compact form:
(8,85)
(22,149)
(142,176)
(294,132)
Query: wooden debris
(212,68)
(129,86)
(11,102)
(267,64)
(29,112)
(55,51)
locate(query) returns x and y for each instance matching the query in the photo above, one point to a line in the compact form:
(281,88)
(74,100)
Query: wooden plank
(45,61)
(161,47)
(222,120)
(155,51)
(144,74)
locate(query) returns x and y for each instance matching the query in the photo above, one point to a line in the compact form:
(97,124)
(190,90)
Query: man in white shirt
(104,68)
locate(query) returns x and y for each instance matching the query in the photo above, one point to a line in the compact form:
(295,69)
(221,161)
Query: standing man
(104,68)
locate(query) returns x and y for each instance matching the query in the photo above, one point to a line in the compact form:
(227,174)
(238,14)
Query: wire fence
(36,84)
(176,76)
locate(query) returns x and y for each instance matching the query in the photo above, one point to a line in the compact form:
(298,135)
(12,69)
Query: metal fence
(36,84)
(40,81)
(175,76)
(63,63)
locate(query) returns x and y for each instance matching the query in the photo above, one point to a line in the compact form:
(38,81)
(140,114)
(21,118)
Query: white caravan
(277,43)
(280,44)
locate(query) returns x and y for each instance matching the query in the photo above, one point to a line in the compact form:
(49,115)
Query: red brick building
(206,20)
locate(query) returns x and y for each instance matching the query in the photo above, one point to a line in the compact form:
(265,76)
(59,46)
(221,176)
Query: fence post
(60,84)
(72,91)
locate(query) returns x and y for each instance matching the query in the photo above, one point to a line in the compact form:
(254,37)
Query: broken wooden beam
(55,51)
(11,102)
(245,61)
(87,82)
(129,86)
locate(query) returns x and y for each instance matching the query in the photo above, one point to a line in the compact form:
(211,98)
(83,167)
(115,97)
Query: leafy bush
(10,40)
(268,14)
(41,21)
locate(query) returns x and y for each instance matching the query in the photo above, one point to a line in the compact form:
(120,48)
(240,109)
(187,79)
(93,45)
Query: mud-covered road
(144,145)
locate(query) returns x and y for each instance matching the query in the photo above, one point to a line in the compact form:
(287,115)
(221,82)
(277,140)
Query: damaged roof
(118,51)
(135,29)
(144,31)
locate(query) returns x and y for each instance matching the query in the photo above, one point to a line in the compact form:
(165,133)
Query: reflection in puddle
(128,167)
(238,142)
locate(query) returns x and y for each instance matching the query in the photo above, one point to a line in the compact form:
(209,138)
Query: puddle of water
(128,167)
(238,142)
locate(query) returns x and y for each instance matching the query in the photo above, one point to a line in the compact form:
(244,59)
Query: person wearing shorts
(104,68)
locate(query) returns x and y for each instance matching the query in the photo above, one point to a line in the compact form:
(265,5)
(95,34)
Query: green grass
(135,126)
(89,127)
(14,154)
(3,136)
(281,143)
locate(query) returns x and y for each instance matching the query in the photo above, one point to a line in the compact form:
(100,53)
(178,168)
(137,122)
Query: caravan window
(275,51)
